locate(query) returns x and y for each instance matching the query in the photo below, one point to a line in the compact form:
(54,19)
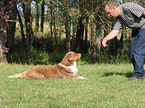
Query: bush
(32,57)
(44,58)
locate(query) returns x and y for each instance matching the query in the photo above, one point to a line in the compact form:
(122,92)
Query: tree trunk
(21,26)
(55,33)
(79,34)
(2,27)
(28,23)
(122,35)
(3,49)
(86,30)
(6,8)
(42,17)
(67,32)
(11,33)
(97,46)
(37,17)
(51,21)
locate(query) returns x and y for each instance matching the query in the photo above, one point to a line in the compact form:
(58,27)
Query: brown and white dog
(65,69)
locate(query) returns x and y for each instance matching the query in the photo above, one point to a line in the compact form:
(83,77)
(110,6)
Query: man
(131,15)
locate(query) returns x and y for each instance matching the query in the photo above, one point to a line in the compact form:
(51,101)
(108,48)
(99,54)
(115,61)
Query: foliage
(45,51)
(106,87)
(51,26)
(39,57)
(32,57)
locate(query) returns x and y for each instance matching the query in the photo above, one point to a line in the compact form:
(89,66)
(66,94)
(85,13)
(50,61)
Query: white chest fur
(73,68)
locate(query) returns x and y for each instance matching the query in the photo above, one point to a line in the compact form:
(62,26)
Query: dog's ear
(69,57)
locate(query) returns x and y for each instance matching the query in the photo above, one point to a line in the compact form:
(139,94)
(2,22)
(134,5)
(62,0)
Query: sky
(32,5)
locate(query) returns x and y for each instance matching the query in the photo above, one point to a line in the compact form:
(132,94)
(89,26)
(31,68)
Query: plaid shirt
(131,16)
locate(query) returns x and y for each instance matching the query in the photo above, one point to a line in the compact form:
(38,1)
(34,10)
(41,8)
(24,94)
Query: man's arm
(110,36)
(144,13)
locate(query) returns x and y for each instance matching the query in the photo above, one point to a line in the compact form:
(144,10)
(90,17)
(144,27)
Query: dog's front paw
(80,77)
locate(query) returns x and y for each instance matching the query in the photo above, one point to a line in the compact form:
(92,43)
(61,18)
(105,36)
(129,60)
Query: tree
(67,29)
(37,16)
(28,24)
(80,26)
(42,16)
(7,7)
(11,32)
(21,26)
(65,9)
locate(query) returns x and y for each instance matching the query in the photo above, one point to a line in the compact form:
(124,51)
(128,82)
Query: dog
(65,69)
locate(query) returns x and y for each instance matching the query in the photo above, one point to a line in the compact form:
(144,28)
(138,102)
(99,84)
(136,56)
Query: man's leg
(137,53)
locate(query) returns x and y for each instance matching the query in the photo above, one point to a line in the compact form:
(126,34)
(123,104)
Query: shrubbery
(43,57)
(45,51)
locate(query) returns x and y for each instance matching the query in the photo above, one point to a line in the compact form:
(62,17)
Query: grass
(106,87)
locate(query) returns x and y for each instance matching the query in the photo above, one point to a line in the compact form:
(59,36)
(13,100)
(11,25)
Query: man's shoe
(134,79)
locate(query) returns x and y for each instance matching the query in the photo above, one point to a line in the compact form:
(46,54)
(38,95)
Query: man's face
(111,12)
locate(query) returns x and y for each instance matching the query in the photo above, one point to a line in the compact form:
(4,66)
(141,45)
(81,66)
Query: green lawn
(106,87)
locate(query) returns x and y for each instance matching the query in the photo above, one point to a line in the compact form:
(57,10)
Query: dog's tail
(20,75)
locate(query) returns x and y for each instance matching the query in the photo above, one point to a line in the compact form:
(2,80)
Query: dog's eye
(69,60)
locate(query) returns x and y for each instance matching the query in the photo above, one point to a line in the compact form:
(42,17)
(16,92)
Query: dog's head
(70,58)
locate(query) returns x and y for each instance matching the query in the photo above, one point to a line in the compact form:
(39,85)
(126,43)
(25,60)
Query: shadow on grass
(128,74)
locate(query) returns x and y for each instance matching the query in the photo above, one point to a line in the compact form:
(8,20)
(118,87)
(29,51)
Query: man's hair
(112,4)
